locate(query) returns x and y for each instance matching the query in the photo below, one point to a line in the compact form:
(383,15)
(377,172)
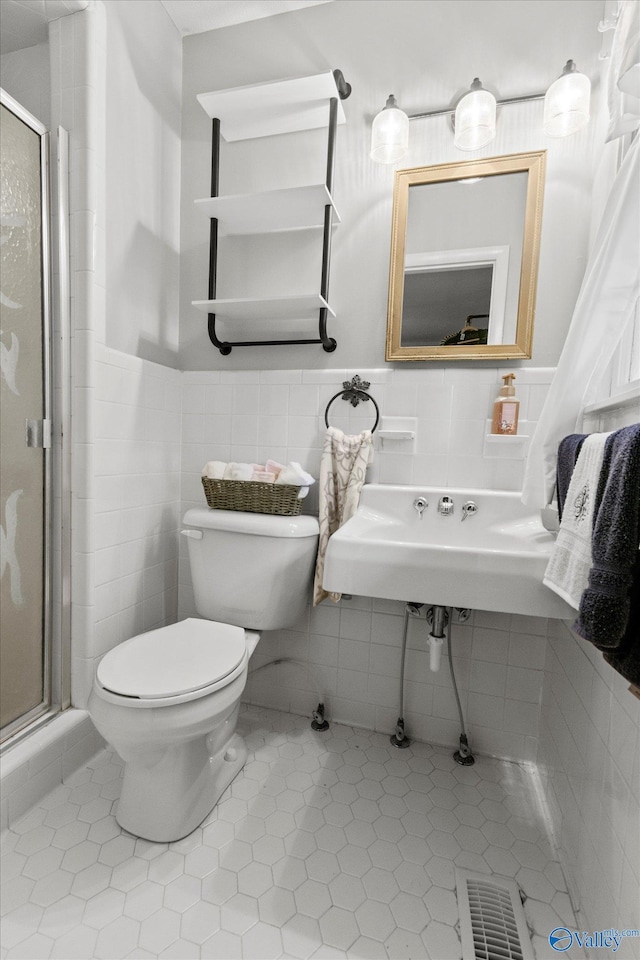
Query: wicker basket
(253,496)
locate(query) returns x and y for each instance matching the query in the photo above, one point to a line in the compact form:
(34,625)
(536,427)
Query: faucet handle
(469,508)
(420,504)
(445,507)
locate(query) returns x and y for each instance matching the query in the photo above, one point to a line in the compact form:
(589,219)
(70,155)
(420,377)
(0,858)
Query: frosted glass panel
(21,468)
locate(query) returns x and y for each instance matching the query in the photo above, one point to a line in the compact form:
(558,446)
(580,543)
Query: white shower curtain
(610,287)
(605,305)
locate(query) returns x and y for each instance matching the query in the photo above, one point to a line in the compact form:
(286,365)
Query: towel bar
(354,391)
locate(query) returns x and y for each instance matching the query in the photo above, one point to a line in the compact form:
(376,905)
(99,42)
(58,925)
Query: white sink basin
(494,559)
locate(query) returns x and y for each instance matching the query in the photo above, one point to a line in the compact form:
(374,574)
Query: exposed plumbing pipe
(441,618)
(463,754)
(319,721)
(436,637)
(399,738)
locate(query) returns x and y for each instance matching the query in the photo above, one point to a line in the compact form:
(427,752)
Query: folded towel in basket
(272,466)
(239,471)
(567,572)
(295,475)
(214,469)
(609,614)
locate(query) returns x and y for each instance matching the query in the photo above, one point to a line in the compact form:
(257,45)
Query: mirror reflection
(464,259)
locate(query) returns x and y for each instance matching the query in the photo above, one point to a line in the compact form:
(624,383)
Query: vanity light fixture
(566,102)
(566,110)
(390,133)
(475,118)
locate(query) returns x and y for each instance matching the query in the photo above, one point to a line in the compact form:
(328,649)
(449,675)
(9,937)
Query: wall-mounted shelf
(267,109)
(294,208)
(506,438)
(262,110)
(266,308)
(399,430)
(506,446)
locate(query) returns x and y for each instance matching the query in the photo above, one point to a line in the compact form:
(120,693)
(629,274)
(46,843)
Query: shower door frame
(42,712)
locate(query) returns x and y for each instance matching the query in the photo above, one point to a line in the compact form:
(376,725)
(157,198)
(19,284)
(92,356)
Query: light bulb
(389,133)
(566,103)
(475,119)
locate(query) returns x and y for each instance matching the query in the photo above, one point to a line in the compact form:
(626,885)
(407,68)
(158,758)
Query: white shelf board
(267,308)
(293,208)
(266,109)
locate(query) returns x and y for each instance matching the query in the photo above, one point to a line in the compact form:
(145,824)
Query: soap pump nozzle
(508,389)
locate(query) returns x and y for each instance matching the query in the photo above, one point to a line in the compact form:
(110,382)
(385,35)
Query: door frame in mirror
(533,164)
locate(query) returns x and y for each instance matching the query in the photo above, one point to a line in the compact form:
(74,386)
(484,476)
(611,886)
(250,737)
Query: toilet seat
(174,664)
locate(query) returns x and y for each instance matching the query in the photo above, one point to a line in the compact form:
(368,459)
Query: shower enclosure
(25,422)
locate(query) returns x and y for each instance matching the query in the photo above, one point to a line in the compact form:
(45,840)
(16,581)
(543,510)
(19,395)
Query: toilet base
(167,800)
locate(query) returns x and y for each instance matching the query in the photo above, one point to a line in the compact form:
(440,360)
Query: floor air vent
(492,921)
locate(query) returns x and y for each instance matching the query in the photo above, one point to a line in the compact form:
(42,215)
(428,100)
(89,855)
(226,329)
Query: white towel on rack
(342,474)
(567,572)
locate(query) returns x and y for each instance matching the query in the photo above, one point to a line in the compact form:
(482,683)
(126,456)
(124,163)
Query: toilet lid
(173,660)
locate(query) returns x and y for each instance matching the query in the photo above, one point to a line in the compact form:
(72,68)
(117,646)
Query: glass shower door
(24,423)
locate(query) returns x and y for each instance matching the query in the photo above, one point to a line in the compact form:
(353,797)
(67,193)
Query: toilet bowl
(168,700)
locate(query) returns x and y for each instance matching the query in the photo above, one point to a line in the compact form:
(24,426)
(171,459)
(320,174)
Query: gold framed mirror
(465,241)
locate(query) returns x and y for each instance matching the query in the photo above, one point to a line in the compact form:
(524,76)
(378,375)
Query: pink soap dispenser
(506,409)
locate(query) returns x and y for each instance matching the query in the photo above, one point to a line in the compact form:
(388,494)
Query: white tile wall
(77,97)
(40,763)
(589,761)
(352,651)
(252,415)
(137,497)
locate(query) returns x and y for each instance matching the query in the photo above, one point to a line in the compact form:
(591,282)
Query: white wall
(143,93)
(125,410)
(589,761)
(438,55)
(137,498)
(353,649)
(25,75)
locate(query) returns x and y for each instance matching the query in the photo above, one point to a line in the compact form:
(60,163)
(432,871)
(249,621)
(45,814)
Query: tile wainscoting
(351,652)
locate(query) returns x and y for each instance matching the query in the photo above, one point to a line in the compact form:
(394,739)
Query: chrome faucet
(468,509)
(445,507)
(420,504)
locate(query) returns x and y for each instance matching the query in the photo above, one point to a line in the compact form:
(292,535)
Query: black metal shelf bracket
(328,343)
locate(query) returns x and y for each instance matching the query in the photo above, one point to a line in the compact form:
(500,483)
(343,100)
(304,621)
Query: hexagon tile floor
(328,845)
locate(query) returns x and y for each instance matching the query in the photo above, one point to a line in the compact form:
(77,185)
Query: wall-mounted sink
(494,559)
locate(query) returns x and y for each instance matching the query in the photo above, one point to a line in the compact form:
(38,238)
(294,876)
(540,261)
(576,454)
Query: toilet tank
(250,569)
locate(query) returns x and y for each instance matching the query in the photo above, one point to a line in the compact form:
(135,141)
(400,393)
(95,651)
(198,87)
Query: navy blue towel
(609,614)
(568,451)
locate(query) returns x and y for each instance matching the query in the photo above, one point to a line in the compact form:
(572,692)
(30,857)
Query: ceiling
(26,22)
(198,16)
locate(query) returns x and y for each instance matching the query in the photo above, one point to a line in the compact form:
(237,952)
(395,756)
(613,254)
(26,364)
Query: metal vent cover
(493,925)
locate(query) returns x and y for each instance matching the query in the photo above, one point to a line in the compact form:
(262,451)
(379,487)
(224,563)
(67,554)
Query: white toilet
(168,700)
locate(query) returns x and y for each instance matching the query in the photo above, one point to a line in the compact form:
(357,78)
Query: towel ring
(353,391)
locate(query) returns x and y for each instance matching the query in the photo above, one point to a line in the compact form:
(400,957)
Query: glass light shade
(389,133)
(566,103)
(475,120)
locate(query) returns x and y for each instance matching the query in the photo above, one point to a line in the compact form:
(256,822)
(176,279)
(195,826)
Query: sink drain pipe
(440,619)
